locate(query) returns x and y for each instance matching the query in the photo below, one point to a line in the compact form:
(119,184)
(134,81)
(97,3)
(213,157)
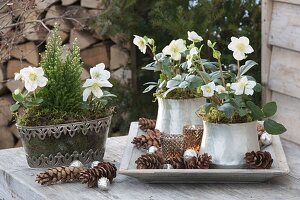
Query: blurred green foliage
(217,20)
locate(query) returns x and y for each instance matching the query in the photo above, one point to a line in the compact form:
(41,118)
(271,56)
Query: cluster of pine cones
(152,136)
(72,174)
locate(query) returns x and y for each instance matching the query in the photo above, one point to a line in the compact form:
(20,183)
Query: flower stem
(239,70)
(221,72)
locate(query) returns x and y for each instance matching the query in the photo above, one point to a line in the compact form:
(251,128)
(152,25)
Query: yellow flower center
(174,49)
(241,47)
(208,89)
(97,75)
(32,76)
(94,86)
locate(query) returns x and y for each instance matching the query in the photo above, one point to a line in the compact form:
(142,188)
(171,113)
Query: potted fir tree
(181,71)
(230,116)
(58,118)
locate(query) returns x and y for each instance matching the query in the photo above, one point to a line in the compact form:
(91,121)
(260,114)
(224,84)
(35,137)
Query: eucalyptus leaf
(274,127)
(149,88)
(257,87)
(18,97)
(247,66)
(270,109)
(205,77)
(151,66)
(168,91)
(255,110)
(228,109)
(14,107)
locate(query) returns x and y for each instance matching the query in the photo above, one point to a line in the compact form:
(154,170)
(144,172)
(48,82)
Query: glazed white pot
(174,114)
(228,143)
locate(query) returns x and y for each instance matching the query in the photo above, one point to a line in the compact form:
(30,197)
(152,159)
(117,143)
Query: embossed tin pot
(58,145)
(174,114)
(228,143)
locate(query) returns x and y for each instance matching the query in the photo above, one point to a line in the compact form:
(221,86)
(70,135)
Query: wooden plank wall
(281,61)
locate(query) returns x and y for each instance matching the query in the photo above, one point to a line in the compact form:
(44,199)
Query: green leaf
(228,109)
(247,66)
(257,87)
(150,66)
(255,110)
(14,107)
(270,109)
(18,97)
(274,127)
(204,76)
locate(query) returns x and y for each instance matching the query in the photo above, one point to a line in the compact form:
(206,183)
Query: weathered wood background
(281,61)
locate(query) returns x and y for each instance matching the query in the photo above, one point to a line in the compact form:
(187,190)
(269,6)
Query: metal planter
(57,145)
(174,114)
(228,143)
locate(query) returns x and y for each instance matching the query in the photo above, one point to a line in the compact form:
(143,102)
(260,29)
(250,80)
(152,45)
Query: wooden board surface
(17,182)
(284,73)
(285,26)
(128,167)
(288,114)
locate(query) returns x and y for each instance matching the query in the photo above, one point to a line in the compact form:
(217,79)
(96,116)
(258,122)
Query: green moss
(216,116)
(38,116)
(180,93)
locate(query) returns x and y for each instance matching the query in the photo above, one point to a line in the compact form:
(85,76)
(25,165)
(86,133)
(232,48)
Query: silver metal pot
(174,114)
(58,145)
(228,143)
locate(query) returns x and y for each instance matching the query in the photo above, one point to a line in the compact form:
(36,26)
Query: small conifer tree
(63,91)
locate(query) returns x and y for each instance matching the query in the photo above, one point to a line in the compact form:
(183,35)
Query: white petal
(86,94)
(42,81)
(212,85)
(189,63)
(239,55)
(97,92)
(89,82)
(39,71)
(251,84)
(18,76)
(244,79)
(166,50)
(234,86)
(100,66)
(176,56)
(234,39)
(30,86)
(181,45)
(248,49)
(249,91)
(194,51)
(239,91)
(105,75)
(244,40)
(105,84)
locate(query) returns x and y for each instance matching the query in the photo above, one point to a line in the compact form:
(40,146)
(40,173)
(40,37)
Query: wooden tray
(128,167)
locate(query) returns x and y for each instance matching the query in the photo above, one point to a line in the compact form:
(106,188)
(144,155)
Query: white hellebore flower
(94,86)
(208,90)
(141,43)
(193,51)
(243,86)
(174,49)
(33,77)
(240,47)
(98,72)
(220,89)
(194,37)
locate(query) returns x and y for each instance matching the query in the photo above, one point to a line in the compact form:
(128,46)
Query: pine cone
(145,124)
(259,160)
(201,162)
(177,162)
(59,174)
(146,141)
(149,161)
(91,176)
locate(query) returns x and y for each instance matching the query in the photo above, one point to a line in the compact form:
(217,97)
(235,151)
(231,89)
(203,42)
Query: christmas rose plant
(54,92)
(229,94)
(181,68)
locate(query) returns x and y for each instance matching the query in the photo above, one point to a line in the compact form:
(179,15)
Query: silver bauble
(189,153)
(76,163)
(266,138)
(152,149)
(103,183)
(168,166)
(94,163)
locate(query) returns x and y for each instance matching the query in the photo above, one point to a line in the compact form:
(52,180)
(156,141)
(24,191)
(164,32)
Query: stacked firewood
(24,28)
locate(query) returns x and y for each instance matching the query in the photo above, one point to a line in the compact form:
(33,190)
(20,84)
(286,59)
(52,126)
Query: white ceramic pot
(174,114)
(228,143)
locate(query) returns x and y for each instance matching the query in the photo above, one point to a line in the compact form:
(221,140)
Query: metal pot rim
(65,124)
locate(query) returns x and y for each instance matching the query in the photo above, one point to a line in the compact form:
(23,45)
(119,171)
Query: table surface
(17,182)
